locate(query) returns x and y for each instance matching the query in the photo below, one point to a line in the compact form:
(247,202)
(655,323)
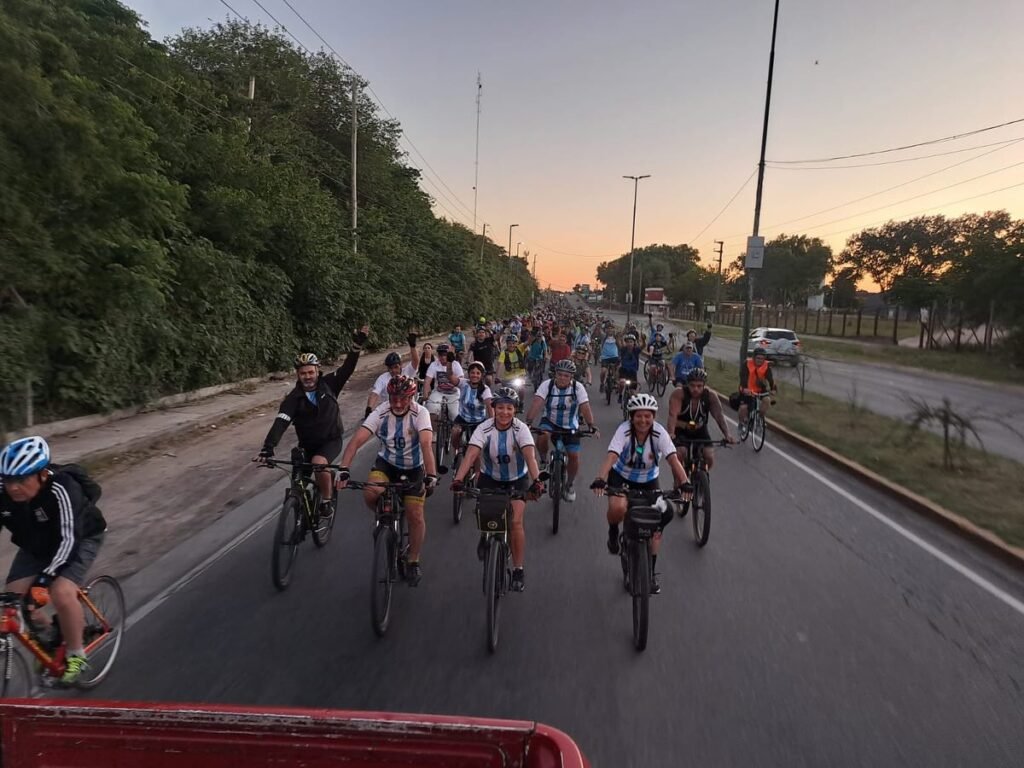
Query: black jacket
(314,424)
(51,526)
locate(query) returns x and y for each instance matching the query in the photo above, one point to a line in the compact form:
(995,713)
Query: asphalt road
(886,390)
(808,632)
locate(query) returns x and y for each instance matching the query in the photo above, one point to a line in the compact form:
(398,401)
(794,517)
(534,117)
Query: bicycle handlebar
(510,493)
(642,494)
(358,485)
(683,441)
(556,432)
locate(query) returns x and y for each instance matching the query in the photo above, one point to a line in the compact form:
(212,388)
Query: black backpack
(90,488)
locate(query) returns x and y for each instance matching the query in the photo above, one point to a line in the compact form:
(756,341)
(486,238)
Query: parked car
(780,344)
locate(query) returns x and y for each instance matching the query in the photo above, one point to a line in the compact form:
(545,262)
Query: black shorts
(615,480)
(414,475)
(329,449)
(27,565)
(470,424)
(486,482)
(624,374)
(700,434)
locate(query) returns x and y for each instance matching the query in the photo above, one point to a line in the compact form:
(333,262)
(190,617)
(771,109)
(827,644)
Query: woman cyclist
(509,463)
(474,403)
(581,357)
(637,447)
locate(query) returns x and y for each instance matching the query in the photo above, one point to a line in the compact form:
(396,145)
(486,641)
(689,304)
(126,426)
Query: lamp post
(517,248)
(632,244)
(510,227)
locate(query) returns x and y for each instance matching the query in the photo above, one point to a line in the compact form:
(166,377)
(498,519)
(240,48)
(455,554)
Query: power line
(895,162)
(725,207)
(900,149)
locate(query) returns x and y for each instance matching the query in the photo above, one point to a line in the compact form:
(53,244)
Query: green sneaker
(73,668)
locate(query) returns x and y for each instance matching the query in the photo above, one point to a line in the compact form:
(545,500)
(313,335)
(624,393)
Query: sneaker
(73,669)
(683,507)
(326,510)
(570,493)
(518,580)
(613,540)
(413,574)
(655,584)
(481,549)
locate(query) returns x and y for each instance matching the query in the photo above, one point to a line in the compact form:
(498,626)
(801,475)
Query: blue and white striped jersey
(562,406)
(471,408)
(502,450)
(399,435)
(638,462)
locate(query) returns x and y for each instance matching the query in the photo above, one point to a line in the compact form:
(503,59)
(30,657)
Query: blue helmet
(24,457)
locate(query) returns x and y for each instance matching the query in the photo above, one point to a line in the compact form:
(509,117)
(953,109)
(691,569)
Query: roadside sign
(755,252)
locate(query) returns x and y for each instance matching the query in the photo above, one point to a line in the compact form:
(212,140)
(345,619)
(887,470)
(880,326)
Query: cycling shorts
(571,442)
(386,472)
(605,361)
(329,449)
(685,434)
(625,373)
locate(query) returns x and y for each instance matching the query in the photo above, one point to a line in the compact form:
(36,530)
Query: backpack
(551,393)
(90,488)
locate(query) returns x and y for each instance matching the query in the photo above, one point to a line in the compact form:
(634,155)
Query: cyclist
(427,358)
(653,329)
(509,463)
(474,403)
(312,406)
(699,344)
(634,452)
(394,367)
(656,350)
(512,360)
(685,361)
(536,356)
(563,400)
(560,349)
(457,340)
(441,385)
(403,428)
(629,362)
(757,379)
(53,519)
(689,411)
(581,359)
(485,350)
(609,350)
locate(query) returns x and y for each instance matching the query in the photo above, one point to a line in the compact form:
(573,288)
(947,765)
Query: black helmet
(506,395)
(697,374)
(393,358)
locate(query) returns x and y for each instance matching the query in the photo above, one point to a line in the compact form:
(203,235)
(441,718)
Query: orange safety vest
(756,374)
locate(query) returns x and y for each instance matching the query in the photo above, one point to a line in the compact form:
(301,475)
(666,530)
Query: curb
(986,540)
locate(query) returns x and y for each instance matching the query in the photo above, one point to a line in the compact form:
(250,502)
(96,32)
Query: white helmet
(642,402)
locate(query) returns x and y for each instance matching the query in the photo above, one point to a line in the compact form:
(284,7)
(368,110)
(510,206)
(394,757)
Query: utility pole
(483,236)
(535,266)
(510,227)
(355,198)
(520,242)
(632,243)
(718,282)
(252,98)
(476,161)
(748,308)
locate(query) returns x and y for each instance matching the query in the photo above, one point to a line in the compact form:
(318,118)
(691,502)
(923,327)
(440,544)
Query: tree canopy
(167,233)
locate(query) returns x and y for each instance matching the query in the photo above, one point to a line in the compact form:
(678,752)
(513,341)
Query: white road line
(972,576)
(147,608)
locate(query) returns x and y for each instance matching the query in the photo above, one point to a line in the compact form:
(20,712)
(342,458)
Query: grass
(984,488)
(975,365)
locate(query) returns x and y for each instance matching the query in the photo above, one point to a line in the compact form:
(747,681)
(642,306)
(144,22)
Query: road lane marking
(972,576)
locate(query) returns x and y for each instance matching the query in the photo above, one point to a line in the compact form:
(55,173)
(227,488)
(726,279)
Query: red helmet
(401,386)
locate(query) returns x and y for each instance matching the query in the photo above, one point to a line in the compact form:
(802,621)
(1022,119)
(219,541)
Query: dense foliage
(166,233)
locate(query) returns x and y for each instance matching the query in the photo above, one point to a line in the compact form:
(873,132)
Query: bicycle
(755,426)
(299,516)
(443,437)
(629,388)
(390,547)
(657,376)
(697,470)
(470,479)
(644,515)
(493,524)
(558,468)
(608,381)
(104,608)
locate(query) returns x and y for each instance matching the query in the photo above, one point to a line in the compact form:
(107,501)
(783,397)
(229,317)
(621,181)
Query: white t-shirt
(562,406)
(380,386)
(502,450)
(439,373)
(399,435)
(637,463)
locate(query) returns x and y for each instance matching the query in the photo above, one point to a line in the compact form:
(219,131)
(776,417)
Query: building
(655,302)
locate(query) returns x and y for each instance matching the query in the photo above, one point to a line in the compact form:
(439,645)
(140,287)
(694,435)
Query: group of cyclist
(51,509)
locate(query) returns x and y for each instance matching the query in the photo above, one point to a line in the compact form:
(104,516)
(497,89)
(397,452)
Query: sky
(578,93)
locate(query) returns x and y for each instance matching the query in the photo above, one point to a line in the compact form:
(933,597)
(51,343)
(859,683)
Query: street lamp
(632,243)
(517,248)
(510,226)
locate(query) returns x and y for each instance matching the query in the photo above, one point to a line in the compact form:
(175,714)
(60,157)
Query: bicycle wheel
(662,382)
(758,432)
(701,507)
(286,542)
(16,681)
(105,613)
(382,579)
(641,584)
(556,493)
(492,591)
(608,387)
(439,439)
(647,372)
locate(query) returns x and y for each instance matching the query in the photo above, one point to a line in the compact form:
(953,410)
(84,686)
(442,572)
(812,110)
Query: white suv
(779,344)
